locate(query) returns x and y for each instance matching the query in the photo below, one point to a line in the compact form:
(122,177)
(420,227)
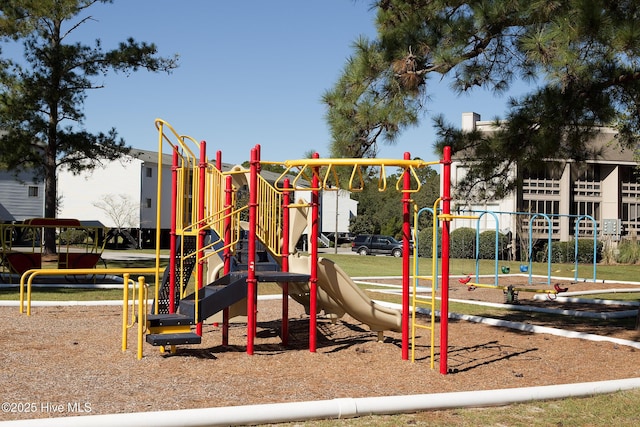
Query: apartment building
(601,193)
(21,196)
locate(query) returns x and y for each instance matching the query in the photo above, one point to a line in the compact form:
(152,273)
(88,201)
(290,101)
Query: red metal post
(227,251)
(444,288)
(254,169)
(313,281)
(172,243)
(219,160)
(406,257)
(285,263)
(202,169)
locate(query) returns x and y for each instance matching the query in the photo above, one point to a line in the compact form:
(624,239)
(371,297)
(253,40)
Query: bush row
(463,245)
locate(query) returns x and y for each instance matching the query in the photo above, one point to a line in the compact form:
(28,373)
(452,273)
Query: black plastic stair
(281,276)
(174,339)
(170,329)
(175,319)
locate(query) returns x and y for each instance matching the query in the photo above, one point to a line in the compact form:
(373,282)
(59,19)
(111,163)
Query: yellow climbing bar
(417,163)
(178,140)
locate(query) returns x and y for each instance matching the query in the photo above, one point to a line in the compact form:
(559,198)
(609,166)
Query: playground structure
(207,229)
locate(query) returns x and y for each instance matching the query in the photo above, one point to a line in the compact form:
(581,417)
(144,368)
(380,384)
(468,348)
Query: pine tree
(581,56)
(42,96)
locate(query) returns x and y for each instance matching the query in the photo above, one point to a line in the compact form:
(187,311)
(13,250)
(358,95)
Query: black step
(173,339)
(175,319)
(281,276)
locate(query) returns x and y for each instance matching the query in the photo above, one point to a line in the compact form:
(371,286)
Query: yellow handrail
(187,177)
(142,308)
(125,310)
(29,275)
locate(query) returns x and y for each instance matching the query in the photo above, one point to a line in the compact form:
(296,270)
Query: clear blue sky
(251,71)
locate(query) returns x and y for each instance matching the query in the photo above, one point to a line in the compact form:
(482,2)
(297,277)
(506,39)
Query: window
(587,208)
(33,191)
(147,203)
(149,172)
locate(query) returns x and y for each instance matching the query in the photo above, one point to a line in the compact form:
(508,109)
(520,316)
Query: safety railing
(269,216)
(26,280)
(215,199)
(187,172)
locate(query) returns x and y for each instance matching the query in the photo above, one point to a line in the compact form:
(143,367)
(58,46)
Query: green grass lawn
(356,266)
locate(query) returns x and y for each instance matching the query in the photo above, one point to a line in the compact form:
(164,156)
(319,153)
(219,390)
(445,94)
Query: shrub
(487,247)
(628,252)
(425,243)
(463,243)
(72,237)
(562,252)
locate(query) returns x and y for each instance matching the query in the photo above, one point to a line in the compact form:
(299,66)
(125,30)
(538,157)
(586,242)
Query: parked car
(372,244)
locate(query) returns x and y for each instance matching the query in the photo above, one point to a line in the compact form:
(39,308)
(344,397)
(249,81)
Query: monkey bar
(329,179)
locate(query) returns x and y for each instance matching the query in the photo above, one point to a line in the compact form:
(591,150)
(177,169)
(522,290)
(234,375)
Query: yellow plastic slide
(339,294)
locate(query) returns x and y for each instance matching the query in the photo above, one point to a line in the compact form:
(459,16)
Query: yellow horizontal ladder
(327,172)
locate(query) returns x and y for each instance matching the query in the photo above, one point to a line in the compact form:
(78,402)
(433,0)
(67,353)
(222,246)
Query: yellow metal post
(125,310)
(142,313)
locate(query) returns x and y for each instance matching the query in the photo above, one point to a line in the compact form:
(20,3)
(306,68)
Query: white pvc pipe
(526,327)
(559,311)
(574,313)
(569,297)
(333,409)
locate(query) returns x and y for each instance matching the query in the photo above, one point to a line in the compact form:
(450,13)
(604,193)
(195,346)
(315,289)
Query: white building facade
(131,183)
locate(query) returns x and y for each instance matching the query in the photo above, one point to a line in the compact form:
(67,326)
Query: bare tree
(120,208)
